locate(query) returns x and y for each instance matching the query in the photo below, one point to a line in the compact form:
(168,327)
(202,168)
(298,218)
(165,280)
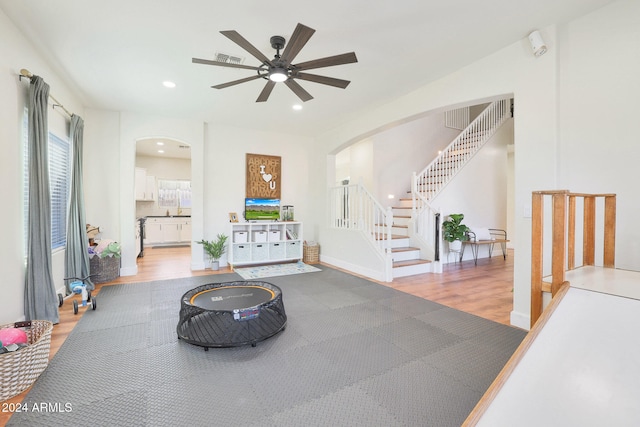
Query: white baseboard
(520,320)
(198,266)
(129,271)
(373,274)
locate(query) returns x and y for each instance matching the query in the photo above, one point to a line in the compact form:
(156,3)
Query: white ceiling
(117,53)
(163,147)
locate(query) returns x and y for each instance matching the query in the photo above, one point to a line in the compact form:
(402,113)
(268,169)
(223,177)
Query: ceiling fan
(280,68)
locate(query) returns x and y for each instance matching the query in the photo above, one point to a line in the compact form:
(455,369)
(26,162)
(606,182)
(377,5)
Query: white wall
(225,184)
(102,171)
(17,53)
(598,108)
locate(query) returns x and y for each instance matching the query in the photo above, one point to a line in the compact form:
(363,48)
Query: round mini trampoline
(231,314)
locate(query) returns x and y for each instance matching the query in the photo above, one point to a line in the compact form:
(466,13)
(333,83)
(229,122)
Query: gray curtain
(77,256)
(40,299)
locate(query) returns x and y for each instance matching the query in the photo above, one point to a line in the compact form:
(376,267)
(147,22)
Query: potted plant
(454,232)
(215,249)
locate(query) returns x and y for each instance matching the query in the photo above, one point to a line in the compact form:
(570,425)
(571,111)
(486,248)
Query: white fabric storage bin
(294,250)
(259,236)
(276,250)
(274,236)
(241,253)
(259,252)
(240,237)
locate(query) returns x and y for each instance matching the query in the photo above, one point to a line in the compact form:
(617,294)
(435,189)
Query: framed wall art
(263,176)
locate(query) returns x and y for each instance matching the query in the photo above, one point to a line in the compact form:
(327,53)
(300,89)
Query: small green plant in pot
(454,232)
(215,249)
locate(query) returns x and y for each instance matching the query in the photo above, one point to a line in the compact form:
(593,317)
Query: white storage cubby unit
(265,242)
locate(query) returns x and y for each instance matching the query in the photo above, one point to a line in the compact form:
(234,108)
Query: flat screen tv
(261,209)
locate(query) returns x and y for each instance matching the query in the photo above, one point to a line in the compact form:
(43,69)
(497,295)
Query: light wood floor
(484,290)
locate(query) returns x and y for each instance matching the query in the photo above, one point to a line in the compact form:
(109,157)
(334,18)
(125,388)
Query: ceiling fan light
(278,75)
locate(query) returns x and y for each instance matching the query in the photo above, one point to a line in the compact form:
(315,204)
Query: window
(174,193)
(59,181)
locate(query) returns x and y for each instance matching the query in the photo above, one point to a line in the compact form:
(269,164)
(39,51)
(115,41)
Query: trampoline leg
(206,349)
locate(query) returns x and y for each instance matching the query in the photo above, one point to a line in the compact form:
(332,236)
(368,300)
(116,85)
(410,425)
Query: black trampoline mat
(229,298)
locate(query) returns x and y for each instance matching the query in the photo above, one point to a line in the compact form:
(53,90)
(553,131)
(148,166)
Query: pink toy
(10,336)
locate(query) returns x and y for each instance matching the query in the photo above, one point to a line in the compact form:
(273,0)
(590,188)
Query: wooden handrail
(563,244)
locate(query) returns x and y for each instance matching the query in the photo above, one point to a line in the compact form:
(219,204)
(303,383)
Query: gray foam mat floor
(353,353)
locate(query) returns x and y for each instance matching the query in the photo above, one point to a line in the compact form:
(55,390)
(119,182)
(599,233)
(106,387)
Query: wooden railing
(563,239)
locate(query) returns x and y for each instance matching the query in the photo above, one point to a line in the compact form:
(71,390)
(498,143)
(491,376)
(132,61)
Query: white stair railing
(428,183)
(352,207)
(457,119)
(443,168)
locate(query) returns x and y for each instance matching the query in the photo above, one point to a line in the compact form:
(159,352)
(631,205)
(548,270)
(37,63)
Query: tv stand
(265,242)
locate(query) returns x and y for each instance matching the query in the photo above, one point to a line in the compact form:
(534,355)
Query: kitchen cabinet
(165,230)
(145,185)
(152,231)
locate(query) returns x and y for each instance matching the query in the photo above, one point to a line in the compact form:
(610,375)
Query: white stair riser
(411,270)
(406,255)
(400,231)
(398,243)
(401,220)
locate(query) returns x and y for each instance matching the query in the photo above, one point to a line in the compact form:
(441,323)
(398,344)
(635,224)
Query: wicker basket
(104,269)
(310,254)
(20,369)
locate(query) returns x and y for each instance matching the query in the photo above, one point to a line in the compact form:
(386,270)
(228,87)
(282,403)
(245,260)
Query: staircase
(428,183)
(405,235)
(413,218)
(406,259)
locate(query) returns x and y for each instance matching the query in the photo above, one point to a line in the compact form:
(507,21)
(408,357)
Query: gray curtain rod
(28,74)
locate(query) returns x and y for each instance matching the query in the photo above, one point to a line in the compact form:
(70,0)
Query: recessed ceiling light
(160,151)
(159,143)
(168,84)
(297,107)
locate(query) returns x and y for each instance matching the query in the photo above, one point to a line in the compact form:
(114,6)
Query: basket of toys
(25,347)
(104,261)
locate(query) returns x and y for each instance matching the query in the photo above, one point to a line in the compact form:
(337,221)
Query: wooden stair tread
(393,236)
(405,249)
(410,262)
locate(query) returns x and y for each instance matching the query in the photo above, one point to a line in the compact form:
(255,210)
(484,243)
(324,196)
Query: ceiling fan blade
(323,80)
(222,64)
(235,37)
(236,82)
(345,58)
(298,90)
(299,38)
(264,95)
